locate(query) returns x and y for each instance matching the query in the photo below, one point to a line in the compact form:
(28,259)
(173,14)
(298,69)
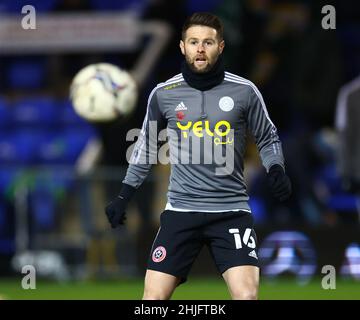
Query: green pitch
(195,288)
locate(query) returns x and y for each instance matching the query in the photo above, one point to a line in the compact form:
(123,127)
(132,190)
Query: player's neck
(204,81)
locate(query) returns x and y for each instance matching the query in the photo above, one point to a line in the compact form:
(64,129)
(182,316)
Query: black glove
(279,183)
(115,210)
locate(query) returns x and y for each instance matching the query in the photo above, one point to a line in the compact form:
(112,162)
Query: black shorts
(229,236)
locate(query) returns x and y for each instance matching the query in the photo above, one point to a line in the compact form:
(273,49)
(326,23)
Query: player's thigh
(159,285)
(242,281)
(232,240)
(177,244)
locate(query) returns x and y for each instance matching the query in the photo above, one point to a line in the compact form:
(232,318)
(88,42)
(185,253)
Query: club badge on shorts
(159,254)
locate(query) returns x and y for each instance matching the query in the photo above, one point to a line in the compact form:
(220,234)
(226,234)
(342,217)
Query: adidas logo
(180,107)
(253,254)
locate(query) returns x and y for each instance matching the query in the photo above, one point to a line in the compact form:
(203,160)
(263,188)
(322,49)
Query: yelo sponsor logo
(221,129)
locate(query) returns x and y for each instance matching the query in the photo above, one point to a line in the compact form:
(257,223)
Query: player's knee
(155,294)
(244,294)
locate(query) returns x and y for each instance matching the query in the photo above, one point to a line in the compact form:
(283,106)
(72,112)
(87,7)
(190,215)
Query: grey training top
(206,131)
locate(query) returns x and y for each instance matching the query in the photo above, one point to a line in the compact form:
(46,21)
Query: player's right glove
(115,210)
(279,183)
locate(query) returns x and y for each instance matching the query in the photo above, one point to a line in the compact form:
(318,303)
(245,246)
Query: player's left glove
(279,183)
(115,210)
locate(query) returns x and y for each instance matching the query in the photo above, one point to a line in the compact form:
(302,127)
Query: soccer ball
(102,92)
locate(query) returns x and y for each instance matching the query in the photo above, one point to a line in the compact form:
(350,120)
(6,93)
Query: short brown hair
(204,19)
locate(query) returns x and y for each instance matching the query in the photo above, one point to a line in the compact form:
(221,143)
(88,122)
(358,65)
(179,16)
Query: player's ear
(182,47)
(221,46)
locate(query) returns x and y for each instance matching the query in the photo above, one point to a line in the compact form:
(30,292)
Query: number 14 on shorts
(247,238)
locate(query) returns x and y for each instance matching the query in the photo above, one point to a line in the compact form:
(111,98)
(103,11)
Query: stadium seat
(49,188)
(137,6)
(77,139)
(43,208)
(338,199)
(52,149)
(26,73)
(342,202)
(6,177)
(258,209)
(328,174)
(11,6)
(10,178)
(54,179)
(7,246)
(5,115)
(19,148)
(56,148)
(34,112)
(63,147)
(68,116)
(202,5)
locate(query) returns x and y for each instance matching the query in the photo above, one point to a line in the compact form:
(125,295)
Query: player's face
(201,48)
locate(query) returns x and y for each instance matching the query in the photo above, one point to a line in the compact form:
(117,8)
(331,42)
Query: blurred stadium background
(57,171)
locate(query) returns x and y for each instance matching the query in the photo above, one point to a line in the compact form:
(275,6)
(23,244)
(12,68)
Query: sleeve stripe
(236,79)
(249,83)
(177,77)
(141,141)
(142,138)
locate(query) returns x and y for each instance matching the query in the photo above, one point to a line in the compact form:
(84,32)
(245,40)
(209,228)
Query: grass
(194,289)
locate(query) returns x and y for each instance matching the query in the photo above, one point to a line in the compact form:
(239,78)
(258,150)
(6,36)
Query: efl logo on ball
(159,254)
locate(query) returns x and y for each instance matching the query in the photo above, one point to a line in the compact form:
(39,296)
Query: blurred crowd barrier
(53,218)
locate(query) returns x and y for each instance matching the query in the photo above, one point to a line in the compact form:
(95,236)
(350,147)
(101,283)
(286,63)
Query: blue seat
(52,149)
(6,178)
(202,5)
(258,209)
(69,117)
(137,6)
(26,73)
(7,246)
(8,152)
(64,147)
(19,148)
(338,200)
(34,112)
(342,202)
(329,175)
(49,189)
(77,139)
(54,180)
(15,6)
(10,176)
(43,208)
(5,115)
